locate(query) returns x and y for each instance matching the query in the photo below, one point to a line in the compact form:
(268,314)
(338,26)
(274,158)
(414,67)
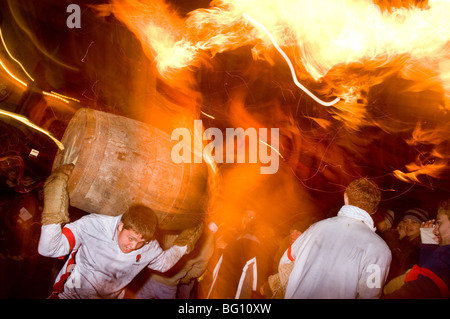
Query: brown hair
(364,194)
(142,220)
(444,208)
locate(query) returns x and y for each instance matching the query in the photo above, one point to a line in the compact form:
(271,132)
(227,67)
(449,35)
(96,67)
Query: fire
(160,30)
(322,33)
(337,50)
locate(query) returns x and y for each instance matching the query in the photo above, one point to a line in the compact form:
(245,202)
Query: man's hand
(189,237)
(56,198)
(428,224)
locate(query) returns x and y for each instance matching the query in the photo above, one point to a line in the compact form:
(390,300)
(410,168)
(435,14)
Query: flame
(342,49)
(323,32)
(430,163)
(160,30)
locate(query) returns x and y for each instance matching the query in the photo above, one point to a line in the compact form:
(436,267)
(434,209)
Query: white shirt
(339,257)
(97,268)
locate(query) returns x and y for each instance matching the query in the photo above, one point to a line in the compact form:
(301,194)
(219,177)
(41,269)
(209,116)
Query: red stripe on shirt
(414,273)
(289,254)
(70,237)
(59,286)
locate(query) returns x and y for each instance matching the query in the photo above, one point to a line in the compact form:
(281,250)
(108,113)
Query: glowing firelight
(324,33)
(23,119)
(52,94)
(56,95)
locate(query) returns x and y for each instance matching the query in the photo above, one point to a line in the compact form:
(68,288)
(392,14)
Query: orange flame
(323,32)
(342,48)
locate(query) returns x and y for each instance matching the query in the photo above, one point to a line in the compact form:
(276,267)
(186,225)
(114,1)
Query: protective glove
(278,282)
(56,197)
(189,237)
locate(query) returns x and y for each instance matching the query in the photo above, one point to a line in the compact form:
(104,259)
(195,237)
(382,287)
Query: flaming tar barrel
(120,161)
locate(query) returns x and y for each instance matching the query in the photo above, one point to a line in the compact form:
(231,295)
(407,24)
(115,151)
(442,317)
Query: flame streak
(288,61)
(27,122)
(11,74)
(12,57)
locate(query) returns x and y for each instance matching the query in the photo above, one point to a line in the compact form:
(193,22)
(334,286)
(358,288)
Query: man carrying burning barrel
(106,252)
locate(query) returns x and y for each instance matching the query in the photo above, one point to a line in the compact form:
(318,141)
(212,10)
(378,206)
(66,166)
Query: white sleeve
(427,236)
(52,242)
(166,259)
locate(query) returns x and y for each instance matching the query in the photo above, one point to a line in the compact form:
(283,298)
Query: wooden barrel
(120,161)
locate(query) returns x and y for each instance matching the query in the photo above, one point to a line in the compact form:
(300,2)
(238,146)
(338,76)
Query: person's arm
(54,241)
(167,258)
(429,241)
(184,244)
(422,288)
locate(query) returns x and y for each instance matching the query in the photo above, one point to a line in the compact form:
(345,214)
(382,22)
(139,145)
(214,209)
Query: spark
(210,116)
(288,61)
(55,96)
(272,148)
(87,51)
(27,122)
(65,96)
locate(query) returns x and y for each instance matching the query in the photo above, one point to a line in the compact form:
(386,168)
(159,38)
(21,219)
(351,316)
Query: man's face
(442,229)
(129,240)
(412,228)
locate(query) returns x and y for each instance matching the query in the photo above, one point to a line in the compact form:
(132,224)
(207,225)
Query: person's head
(387,222)
(299,226)
(442,228)
(294,233)
(247,219)
(137,227)
(413,218)
(364,194)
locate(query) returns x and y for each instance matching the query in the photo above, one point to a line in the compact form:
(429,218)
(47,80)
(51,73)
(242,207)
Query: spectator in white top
(341,257)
